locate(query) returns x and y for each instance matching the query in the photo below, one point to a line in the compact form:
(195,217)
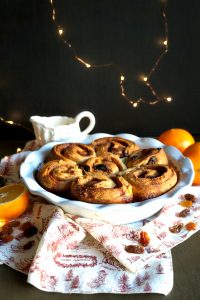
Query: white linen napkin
(70,254)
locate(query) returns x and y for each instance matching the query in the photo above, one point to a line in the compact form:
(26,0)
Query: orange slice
(14,200)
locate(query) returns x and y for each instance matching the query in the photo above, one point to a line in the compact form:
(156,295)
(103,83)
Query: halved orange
(14,200)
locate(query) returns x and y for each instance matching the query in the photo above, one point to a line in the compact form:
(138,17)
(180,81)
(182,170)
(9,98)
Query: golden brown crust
(150,156)
(76,152)
(115,145)
(121,173)
(101,189)
(56,175)
(109,164)
(150,181)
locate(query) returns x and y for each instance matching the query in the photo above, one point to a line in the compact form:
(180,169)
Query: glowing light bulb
(60,31)
(169,99)
(122,78)
(10,122)
(135,104)
(165,42)
(83,62)
(54,15)
(145,79)
(18,150)
(88,65)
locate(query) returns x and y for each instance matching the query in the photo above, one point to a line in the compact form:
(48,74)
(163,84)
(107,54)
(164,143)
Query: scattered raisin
(6,229)
(144,238)
(184,213)
(190,197)
(14,223)
(7,238)
(190,226)
(134,249)
(186,203)
(25,226)
(30,231)
(28,245)
(176,228)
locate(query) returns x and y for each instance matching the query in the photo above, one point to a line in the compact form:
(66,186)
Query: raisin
(134,157)
(14,223)
(100,167)
(186,203)
(176,228)
(86,168)
(190,197)
(190,226)
(6,229)
(134,249)
(30,231)
(25,226)
(184,213)
(28,245)
(7,238)
(143,174)
(152,161)
(144,238)
(1,235)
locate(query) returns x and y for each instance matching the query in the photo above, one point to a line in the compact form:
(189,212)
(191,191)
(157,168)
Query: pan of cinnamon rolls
(104,173)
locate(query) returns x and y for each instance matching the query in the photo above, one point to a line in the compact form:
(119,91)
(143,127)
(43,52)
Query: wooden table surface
(186,264)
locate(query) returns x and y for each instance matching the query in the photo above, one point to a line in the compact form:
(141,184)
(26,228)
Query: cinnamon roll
(151,180)
(150,156)
(109,164)
(76,152)
(56,175)
(101,189)
(115,145)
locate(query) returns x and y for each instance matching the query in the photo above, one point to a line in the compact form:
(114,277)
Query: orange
(193,152)
(177,137)
(14,200)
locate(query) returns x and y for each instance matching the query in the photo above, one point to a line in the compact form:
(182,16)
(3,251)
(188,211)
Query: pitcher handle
(90,116)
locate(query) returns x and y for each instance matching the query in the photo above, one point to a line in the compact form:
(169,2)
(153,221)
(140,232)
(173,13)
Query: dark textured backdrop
(38,74)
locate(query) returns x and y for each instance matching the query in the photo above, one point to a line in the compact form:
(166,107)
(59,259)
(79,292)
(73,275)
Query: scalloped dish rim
(113,213)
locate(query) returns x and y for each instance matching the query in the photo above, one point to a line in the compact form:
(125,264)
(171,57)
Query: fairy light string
(15,125)
(156,98)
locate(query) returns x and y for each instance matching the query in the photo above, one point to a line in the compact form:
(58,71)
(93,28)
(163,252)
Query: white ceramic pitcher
(58,128)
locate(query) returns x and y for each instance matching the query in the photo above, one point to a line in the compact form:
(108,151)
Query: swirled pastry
(150,156)
(109,164)
(101,189)
(56,175)
(76,152)
(115,145)
(150,181)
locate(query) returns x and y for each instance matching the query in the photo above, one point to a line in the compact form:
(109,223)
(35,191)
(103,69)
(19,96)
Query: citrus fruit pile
(14,200)
(185,142)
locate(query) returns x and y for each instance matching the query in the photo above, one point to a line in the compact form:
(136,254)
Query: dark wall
(39,75)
